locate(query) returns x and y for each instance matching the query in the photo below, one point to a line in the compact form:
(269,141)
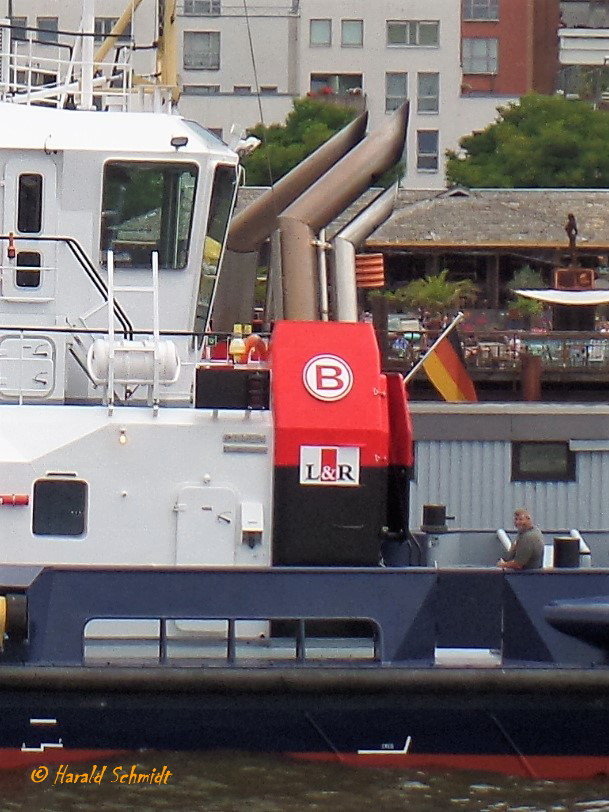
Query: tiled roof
(481,217)
(498,217)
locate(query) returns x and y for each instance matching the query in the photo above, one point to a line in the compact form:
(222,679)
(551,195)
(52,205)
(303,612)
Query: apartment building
(241,63)
(510,46)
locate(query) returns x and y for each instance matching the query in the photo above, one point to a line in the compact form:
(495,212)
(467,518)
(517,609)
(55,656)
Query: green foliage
(542,142)
(437,294)
(391,176)
(526,278)
(310,123)
(525,308)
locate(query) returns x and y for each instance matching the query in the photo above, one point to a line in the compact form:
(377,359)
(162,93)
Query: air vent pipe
(345,244)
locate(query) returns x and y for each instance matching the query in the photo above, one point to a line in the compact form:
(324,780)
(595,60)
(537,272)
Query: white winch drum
(133,361)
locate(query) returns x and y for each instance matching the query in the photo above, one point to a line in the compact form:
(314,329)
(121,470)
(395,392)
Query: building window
(59,507)
(202,50)
(268,88)
(352,33)
(413,32)
(103,26)
(202,8)
(480,10)
(320,33)
(47,29)
(396,90)
(18,28)
(480,55)
(428,92)
(427,150)
(29,204)
(335,83)
(201,90)
(542,461)
(242,90)
(27,274)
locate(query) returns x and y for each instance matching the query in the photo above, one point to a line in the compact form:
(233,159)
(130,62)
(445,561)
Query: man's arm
(509,565)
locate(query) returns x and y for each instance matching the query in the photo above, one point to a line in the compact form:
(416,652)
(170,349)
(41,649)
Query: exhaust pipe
(345,244)
(253,225)
(322,202)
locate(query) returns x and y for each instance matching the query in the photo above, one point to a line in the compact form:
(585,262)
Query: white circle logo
(327,377)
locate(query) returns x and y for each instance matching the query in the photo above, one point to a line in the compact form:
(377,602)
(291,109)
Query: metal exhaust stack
(253,225)
(345,244)
(321,203)
(234,298)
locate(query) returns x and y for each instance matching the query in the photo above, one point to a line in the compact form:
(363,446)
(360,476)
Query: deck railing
(567,352)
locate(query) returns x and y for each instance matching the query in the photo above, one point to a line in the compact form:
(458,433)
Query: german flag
(445,367)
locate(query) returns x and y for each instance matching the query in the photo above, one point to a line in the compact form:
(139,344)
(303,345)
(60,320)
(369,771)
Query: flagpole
(459,317)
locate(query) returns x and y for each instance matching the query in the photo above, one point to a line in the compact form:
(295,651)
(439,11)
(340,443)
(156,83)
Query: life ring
(255,348)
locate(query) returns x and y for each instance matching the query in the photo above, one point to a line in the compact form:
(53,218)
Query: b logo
(327,377)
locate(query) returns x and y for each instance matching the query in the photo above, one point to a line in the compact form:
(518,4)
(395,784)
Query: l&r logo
(329,465)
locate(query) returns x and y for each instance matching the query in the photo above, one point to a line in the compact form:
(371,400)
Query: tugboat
(208,551)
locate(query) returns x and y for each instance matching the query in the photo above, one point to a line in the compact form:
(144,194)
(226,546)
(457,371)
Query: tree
(437,294)
(310,123)
(542,142)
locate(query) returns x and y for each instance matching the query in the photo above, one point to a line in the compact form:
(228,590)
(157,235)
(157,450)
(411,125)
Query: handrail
(89,268)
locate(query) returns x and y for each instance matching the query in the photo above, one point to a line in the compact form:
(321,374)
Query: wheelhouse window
(59,507)
(480,10)
(413,32)
(480,55)
(29,204)
(220,208)
(27,273)
(148,207)
(542,461)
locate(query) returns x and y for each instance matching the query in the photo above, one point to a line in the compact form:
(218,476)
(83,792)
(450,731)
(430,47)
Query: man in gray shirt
(526,552)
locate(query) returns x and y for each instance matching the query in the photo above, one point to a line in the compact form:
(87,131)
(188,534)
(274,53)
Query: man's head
(522,520)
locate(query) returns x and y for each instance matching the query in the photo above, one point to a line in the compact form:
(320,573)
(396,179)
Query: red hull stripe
(12,758)
(542,767)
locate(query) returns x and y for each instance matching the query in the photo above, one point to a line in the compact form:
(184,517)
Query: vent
(573,278)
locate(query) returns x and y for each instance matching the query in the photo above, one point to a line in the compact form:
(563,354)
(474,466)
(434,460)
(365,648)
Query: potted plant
(437,296)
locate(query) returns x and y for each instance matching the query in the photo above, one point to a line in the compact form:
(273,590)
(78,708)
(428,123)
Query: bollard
(566,551)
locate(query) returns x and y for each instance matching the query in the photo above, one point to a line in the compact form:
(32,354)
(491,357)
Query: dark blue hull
(540,723)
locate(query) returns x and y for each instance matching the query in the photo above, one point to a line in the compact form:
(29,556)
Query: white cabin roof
(29,127)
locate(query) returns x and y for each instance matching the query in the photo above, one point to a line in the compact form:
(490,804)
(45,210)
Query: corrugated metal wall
(473,479)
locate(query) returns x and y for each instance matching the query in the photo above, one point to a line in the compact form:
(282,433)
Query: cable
(258,96)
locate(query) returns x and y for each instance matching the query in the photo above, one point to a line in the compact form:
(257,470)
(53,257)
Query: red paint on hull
(543,767)
(12,758)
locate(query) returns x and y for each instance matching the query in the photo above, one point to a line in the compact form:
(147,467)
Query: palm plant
(437,294)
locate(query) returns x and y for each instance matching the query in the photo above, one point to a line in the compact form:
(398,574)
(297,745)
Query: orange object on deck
(370,270)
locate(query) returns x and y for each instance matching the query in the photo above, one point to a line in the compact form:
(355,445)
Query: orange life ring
(255,348)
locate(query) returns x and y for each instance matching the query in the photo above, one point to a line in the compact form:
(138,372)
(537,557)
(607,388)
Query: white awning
(567,297)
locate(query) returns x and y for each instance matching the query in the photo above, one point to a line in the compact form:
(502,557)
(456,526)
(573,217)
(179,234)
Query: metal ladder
(152,349)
